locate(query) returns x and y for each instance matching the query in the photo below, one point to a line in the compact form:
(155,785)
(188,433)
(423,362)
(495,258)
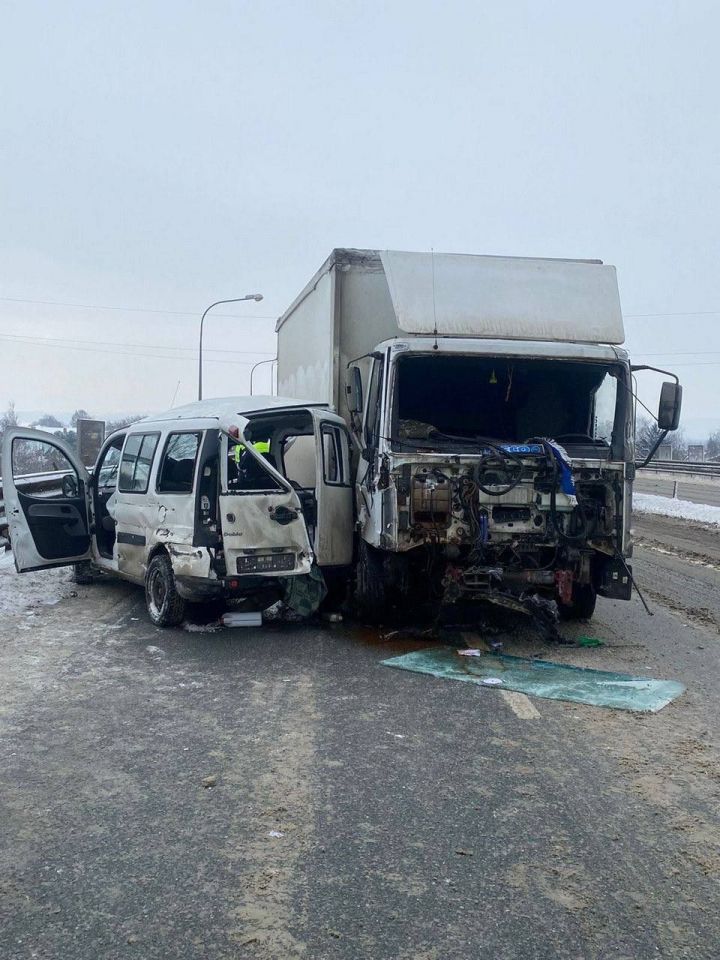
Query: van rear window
(177,470)
(136,463)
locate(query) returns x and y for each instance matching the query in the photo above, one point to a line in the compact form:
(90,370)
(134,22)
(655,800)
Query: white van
(221,498)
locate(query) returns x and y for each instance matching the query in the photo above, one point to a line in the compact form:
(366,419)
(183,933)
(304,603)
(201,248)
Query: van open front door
(45,489)
(263,527)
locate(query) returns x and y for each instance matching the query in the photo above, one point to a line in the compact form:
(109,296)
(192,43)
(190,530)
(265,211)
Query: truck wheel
(583,603)
(165,606)
(370,595)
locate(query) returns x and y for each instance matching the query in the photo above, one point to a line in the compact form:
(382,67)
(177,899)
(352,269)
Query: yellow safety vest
(262,446)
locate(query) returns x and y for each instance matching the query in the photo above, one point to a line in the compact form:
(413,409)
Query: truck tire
(370,594)
(582,607)
(165,606)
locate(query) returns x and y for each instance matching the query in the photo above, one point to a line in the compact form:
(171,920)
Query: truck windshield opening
(442,400)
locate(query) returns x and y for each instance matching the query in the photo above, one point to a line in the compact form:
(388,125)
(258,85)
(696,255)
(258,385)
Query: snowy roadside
(682,509)
(19,593)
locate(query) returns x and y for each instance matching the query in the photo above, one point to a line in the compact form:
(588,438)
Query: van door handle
(283,515)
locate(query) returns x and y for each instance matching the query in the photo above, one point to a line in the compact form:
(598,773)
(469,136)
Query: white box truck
(492,411)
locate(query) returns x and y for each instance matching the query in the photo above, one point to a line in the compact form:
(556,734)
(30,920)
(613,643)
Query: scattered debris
(541,678)
(242,618)
(202,627)
(276,834)
(590,642)
(332,617)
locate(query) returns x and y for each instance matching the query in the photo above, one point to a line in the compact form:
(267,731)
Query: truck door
(263,528)
(45,488)
(334,491)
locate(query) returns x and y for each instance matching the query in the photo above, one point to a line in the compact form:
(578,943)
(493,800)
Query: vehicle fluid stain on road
(404,640)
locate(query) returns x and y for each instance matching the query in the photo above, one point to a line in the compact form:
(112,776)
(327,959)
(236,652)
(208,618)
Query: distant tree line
(33,457)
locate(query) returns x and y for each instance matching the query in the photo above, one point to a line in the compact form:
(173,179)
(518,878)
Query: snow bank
(19,593)
(683,509)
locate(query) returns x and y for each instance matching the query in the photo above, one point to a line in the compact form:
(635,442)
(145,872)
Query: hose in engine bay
(552,454)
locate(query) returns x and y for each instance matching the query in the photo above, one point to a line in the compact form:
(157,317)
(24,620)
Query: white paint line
(520,705)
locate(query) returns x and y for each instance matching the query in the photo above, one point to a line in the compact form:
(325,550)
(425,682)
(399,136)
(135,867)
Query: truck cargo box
(360,298)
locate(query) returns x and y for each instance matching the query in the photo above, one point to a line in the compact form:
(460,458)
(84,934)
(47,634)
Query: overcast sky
(162,155)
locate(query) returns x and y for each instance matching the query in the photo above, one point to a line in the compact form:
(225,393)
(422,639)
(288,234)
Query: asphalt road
(419,818)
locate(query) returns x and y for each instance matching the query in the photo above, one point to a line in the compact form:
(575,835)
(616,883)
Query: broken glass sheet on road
(541,678)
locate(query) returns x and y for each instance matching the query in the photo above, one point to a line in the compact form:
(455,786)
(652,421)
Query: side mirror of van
(354,391)
(670,406)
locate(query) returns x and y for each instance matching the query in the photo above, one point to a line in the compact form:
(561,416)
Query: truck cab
(492,408)
(232,498)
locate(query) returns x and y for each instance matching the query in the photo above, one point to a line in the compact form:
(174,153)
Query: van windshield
(443,400)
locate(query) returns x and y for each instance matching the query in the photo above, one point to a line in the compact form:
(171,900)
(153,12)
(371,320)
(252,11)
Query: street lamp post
(250,296)
(259,364)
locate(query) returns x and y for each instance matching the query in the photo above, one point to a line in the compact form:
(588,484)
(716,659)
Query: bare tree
(79,415)
(8,419)
(48,420)
(712,447)
(112,425)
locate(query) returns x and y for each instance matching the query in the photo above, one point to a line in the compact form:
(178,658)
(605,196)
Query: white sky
(163,155)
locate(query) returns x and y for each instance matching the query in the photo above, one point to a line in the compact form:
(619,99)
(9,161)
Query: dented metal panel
(262,522)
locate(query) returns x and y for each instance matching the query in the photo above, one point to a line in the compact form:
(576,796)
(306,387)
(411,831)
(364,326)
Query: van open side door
(45,489)
(261,517)
(334,491)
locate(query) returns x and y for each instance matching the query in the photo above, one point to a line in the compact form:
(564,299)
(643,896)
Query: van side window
(177,469)
(136,462)
(334,451)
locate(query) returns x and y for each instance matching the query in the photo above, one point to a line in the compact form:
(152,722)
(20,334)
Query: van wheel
(582,607)
(370,594)
(165,606)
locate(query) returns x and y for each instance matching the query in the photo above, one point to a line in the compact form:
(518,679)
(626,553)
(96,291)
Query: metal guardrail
(683,467)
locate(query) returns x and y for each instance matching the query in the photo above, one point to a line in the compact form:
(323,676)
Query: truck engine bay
(479,509)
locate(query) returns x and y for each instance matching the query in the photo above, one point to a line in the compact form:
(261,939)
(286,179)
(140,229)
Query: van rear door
(45,489)
(261,518)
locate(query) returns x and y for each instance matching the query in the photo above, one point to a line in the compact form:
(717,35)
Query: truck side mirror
(670,406)
(354,392)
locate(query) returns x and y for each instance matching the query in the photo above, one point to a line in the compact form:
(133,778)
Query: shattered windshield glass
(441,400)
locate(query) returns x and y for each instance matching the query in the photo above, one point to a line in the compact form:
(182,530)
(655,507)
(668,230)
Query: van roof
(219,407)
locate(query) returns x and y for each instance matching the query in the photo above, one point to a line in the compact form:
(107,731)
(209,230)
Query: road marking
(520,705)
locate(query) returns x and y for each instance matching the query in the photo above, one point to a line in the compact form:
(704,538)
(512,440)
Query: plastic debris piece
(541,678)
(208,782)
(590,642)
(492,681)
(472,652)
(276,834)
(240,618)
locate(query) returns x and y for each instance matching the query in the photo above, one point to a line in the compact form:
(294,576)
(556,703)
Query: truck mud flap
(616,580)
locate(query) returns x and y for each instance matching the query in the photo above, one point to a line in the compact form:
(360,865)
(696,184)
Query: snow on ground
(20,592)
(683,509)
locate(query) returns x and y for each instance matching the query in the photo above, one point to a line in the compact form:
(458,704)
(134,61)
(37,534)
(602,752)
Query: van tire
(582,607)
(370,594)
(165,606)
